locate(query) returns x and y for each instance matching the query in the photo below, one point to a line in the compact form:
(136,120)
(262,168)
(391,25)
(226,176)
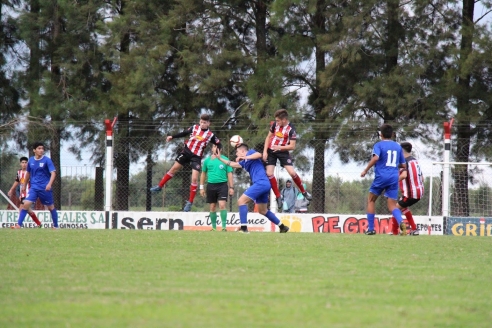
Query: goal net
(460,189)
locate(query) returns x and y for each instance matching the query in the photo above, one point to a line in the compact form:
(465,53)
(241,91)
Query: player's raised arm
(180,134)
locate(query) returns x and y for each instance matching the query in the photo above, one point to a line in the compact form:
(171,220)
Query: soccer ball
(236,140)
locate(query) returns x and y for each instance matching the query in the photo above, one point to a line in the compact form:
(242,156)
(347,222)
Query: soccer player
(200,136)
(387,158)
(220,185)
(40,175)
(412,188)
(280,140)
(259,190)
(20,179)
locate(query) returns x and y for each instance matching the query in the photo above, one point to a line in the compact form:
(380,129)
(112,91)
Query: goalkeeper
(220,185)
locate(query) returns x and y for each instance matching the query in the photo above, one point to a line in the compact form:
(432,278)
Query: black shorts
(405,202)
(216,192)
(186,156)
(283,156)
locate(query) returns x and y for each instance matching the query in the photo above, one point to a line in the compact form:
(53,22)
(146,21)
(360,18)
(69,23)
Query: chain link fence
(337,188)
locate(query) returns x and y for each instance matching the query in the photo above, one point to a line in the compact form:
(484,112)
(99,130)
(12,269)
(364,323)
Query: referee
(219,186)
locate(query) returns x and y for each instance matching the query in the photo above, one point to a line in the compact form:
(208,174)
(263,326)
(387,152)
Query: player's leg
(22,214)
(222,195)
(270,169)
(213,216)
(34,217)
(25,206)
(242,203)
(46,198)
(395,211)
(168,176)
(223,213)
(196,167)
(32,214)
(371,212)
(404,205)
(263,210)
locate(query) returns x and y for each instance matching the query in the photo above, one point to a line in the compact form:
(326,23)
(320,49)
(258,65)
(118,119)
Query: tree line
(341,68)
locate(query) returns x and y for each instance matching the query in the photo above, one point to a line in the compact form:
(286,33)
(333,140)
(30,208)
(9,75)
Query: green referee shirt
(216,170)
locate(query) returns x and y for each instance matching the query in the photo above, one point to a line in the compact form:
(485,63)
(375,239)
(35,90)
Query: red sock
(298,182)
(395,227)
(274,184)
(35,218)
(409,216)
(193,188)
(168,176)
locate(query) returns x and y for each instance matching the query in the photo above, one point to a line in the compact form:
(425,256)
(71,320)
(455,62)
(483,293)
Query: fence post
(109,169)
(445,173)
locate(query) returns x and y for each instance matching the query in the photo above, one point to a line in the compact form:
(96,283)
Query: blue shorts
(46,197)
(390,188)
(259,192)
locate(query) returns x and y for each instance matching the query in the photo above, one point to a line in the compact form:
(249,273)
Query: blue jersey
(390,157)
(255,168)
(40,172)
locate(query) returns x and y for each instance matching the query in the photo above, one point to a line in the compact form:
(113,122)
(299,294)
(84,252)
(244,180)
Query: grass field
(123,278)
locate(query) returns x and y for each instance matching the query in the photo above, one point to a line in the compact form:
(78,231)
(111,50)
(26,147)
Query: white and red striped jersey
(413,185)
(21,179)
(199,139)
(282,135)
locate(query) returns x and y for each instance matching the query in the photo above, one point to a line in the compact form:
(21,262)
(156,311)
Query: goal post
(472,200)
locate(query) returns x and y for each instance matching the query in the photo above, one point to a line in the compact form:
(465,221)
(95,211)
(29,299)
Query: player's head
(204,121)
(386,131)
(38,148)
(282,117)
(242,149)
(23,162)
(406,146)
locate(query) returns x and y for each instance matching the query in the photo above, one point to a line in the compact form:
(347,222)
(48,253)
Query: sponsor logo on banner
(66,219)
(293,221)
(181,221)
(459,226)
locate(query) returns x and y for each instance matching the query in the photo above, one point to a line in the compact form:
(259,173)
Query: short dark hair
(281,114)
(386,131)
(24,158)
(243,145)
(37,144)
(205,117)
(406,146)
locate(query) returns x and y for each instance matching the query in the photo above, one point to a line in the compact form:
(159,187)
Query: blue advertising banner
(459,226)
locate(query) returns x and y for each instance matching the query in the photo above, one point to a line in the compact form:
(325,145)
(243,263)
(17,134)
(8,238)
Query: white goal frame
(446,182)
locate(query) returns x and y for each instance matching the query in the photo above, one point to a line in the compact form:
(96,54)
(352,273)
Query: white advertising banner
(317,223)
(66,219)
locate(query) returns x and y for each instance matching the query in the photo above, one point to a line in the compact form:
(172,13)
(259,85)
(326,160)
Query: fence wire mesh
(141,161)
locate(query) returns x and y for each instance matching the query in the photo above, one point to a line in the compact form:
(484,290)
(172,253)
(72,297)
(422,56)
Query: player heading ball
(200,136)
(280,140)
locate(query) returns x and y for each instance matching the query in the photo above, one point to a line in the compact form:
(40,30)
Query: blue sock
(397,215)
(370,221)
(272,217)
(22,216)
(243,214)
(54,217)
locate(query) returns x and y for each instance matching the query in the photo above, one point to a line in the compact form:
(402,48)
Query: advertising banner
(459,226)
(66,219)
(316,223)
(335,223)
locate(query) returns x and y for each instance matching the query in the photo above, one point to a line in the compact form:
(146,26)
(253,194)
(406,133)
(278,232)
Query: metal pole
(445,173)
(109,169)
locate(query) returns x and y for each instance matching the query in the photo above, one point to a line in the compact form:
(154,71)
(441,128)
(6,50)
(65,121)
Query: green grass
(123,278)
